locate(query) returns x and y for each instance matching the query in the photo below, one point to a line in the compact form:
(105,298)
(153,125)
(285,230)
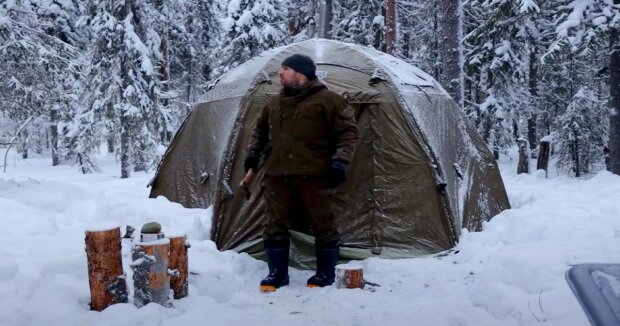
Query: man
(307,135)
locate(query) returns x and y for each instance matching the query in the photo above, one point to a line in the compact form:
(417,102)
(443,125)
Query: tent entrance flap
(238,220)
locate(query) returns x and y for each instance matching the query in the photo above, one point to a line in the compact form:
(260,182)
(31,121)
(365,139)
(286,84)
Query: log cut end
(349,276)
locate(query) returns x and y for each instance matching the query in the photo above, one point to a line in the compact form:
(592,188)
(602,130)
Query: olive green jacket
(300,135)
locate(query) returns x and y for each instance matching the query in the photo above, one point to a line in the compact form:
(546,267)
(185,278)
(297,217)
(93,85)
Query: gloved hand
(251,162)
(336,173)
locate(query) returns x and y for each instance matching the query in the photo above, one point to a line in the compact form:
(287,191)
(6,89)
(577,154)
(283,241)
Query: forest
(79,77)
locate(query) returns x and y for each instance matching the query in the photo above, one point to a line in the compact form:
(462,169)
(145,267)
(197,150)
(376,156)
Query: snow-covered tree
(251,27)
(539,27)
(360,22)
(496,67)
(194,31)
(301,19)
(581,137)
(587,26)
(124,83)
(58,19)
(38,62)
(418,40)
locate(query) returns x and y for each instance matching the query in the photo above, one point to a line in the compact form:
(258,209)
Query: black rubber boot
(327,254)
(277,260)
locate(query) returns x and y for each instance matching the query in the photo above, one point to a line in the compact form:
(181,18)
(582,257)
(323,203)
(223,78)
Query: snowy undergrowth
(510,274)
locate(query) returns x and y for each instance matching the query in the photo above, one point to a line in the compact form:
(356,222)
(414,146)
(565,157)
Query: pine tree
(302,18)
(37,63)
(582,132)
(418,40)
(360,22)
(496,69)
(586,26)
(124,82)
(59,20)
(193,41)
(251,27)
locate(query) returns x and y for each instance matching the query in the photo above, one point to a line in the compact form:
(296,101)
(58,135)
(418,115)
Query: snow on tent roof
(238,80)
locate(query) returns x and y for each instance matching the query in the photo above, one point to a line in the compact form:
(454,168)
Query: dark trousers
(288,198)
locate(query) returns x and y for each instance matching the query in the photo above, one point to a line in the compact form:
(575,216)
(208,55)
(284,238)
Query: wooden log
(150,273)
(105,267)
(349,276)
(543,156)
(178,265)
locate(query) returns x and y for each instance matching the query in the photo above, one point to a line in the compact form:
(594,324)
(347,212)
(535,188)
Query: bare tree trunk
(54,136)
(379,35)
(391,26)
(435,46)
(524,166)
(533,86)
(110,143)
(576,157)
(110,137)
(190,79)
(24,139)
(326,17)
(164,74)
(125,121)
(614,90)
(125,130)
(189,65)
(451,51)
(125,150)
(310,21)
(190,88)
(543,156)
(406,44)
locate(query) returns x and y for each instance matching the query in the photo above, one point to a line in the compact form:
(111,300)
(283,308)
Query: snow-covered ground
(510,274)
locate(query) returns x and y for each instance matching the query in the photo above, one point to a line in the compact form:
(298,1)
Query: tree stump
(178,264)
(150,273)
(543,156)
(349,276)
(105,267)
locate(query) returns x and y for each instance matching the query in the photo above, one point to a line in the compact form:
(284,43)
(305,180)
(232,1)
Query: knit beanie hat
(301,64)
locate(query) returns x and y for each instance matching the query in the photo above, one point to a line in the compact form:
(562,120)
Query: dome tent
(420,172)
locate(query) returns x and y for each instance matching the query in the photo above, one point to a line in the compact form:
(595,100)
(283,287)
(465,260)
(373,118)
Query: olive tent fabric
(419,175)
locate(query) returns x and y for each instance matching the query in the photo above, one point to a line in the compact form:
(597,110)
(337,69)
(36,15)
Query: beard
(290,91)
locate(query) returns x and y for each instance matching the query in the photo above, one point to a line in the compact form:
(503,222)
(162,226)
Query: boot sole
(312,286)
(272,288)
(268,288)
